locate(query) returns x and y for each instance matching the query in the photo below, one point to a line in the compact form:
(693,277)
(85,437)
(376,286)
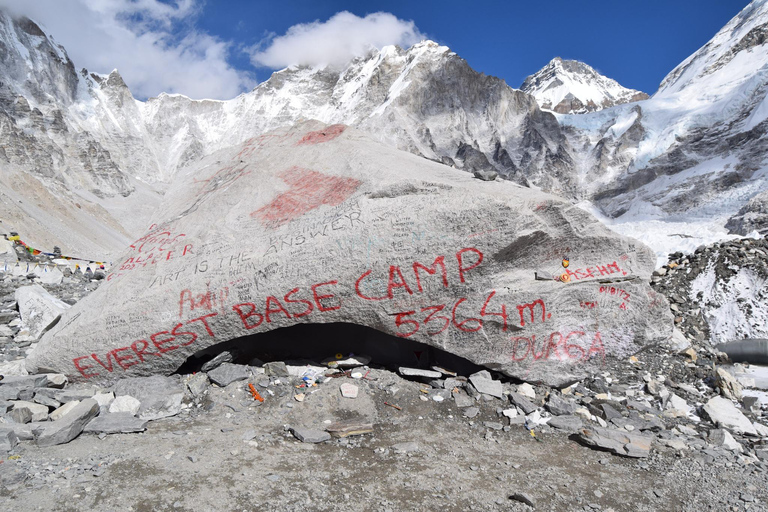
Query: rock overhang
(319,224)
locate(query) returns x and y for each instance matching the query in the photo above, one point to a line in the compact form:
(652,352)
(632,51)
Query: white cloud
(335,41)
(153,44)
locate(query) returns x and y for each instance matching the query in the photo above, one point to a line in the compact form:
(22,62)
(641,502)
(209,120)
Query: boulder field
(320,224)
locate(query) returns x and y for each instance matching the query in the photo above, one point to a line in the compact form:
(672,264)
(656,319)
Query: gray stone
(487,386)
(248,435)
(349,428)
(462,399)
(224,357)
(24,381)
(493,425)
(523,403)
(471,412)
(724,414)
(416,372)
(116,423)
(125,404)
(749,402)
(746,497)
(642,407)
(526,390)
(104,399)
(609,413)
(21,415)
(227,373)
(728,385)
(69,426)
(567,423)
(406,447)
(74,395)
(276,369)
(8,440)
(654,387)
(452,383)
(523,498)
(44,399)
(354,187)
(160,396)
(63,410)
(56,380)
(9,393)
(39,311)
(198,384)
(39,412)
(485,174)
(620,442)
(309,435)
(8,316)
(723,439)
(560,406)
(25,431)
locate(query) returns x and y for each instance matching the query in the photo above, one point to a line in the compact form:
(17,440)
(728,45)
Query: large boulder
(318,224)
(39,311)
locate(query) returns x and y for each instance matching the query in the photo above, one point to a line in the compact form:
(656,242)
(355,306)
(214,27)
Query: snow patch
(733,307)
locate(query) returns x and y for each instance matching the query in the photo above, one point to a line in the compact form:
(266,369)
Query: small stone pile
(629,413)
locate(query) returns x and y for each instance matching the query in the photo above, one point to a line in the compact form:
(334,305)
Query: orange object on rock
(256,395)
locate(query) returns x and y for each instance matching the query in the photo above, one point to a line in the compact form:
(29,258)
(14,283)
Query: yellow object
(566,262)
(533,434)
(339,356)
(565,278)
(14,457)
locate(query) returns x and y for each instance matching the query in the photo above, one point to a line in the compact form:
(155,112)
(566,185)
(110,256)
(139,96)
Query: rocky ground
(672,428)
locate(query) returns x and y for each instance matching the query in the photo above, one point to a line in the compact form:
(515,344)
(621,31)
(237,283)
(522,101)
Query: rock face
(319,224)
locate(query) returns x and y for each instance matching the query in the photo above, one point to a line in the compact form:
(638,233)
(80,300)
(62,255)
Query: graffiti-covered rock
(319,224)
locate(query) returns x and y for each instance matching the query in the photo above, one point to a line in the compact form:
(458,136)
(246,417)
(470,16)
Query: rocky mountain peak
(573,87)
(32,64)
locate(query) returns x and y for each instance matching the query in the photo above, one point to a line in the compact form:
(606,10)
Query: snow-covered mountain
(425,100)
(572,87)
(697,149)
(58,184)
(83,164)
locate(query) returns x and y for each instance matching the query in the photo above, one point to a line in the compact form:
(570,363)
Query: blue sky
(218,48)
(634,43)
